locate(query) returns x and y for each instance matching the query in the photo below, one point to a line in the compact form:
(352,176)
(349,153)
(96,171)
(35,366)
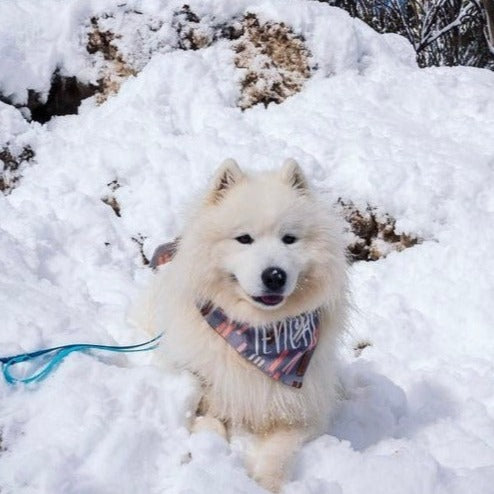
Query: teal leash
(54,356)
(57,354)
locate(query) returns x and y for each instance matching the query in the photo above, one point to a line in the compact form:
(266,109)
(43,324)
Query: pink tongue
(271,299)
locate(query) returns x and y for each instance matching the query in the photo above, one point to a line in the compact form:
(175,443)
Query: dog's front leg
(271,455)
(204,420)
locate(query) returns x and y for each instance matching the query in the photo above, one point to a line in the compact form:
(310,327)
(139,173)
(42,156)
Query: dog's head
(265,246)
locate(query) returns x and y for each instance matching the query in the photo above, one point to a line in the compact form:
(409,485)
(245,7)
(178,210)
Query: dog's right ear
(292,174)
(227,175)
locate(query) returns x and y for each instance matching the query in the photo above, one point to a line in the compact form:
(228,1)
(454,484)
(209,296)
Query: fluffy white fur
(211,265)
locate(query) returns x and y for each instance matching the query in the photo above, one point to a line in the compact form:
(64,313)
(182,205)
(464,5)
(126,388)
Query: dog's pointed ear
(227,175)
(292,174)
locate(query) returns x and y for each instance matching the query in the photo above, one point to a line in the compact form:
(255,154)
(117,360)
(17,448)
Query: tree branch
(432,36)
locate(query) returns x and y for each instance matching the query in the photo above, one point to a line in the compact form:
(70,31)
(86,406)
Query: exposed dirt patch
(11,165)
(115,69)
(360,347)
(373,235)
(275,59)
(110,199)
(139,239)
(100,41)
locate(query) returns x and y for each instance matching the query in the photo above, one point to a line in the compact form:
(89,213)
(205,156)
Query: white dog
(253,303)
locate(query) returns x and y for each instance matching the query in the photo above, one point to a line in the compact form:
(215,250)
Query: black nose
(274,278)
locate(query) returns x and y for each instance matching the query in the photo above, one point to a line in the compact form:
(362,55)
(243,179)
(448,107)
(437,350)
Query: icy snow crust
(369,126)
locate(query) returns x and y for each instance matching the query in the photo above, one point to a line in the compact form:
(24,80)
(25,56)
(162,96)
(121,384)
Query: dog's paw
(267,472)
(210,424)
(272,483)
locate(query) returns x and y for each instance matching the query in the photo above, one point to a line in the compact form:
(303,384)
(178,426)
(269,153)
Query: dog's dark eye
(244,239)
(289,239)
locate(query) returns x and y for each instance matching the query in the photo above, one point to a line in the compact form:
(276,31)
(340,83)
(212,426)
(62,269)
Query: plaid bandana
(282,349)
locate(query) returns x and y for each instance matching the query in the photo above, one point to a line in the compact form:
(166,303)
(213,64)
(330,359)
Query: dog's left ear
(292,174)
(227,175)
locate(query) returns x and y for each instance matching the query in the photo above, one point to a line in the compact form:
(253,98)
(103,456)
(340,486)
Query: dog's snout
(274,278)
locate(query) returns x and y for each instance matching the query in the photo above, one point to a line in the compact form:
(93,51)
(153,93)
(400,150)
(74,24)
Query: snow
(368,126)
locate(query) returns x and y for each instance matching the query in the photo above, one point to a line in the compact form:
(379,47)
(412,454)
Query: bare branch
(396,5)
(432,36)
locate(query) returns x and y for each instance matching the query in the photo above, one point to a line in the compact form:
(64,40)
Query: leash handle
(59,353)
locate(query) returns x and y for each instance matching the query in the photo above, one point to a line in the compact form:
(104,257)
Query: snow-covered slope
(368,126)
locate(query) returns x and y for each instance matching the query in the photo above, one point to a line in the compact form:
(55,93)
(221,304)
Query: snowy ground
(369,126)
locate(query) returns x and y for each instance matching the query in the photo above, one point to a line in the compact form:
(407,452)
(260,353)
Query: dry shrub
(115,69)
(275,59)
(373,235)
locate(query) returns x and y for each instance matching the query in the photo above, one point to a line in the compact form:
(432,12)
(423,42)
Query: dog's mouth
(269,300)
